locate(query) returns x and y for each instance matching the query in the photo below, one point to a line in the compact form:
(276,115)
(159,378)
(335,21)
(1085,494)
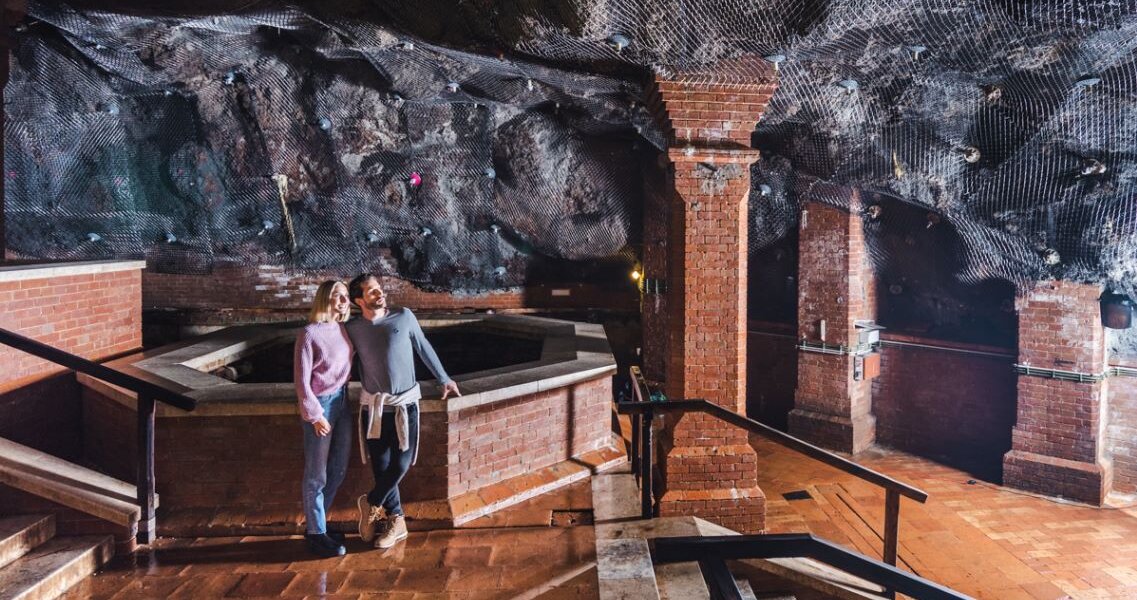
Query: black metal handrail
(148,394)
(712,551)
(642,456)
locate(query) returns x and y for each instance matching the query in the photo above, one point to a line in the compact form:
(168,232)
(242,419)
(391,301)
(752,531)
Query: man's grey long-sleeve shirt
(384,346)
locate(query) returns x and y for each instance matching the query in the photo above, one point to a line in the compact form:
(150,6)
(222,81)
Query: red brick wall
(835,285)
(94,315)
(771,373)
(257,461)
(710,470)
(44,414)
(488,444)
(1121,432)
(275,288)
(921,389)
(1056,444)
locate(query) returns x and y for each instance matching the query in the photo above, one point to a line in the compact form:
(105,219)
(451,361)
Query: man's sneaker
(337,536)
(368,517)
(394,530)
(323,546)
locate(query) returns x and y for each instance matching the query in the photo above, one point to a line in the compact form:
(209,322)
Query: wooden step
(21,533)
(67,483)
(55,566)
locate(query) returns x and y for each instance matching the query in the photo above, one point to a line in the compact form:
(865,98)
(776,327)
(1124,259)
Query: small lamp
(1116,311)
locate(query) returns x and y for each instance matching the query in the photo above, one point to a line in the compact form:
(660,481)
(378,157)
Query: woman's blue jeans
(325,460)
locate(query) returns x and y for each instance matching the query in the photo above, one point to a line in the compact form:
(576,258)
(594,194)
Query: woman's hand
(322,427)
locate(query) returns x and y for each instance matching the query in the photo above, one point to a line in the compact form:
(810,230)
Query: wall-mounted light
(266,226)
(764,189)
(373,237)
(425,231)
(776,60)
(494,227)
(636,275)
(970,154)
(406,45)
(1093,166)
(325,123)
(171,238)
(1088,81)
(850,85)
(452,87)
(490,173)
(94,237)
(618,41)
(1116,311)
(916,50)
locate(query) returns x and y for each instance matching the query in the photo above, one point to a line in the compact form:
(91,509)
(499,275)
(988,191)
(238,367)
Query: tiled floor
(977,538)
(980,539)
(501,557)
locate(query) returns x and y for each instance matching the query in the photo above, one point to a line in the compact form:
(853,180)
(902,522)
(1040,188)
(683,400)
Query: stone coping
(45,270)
(571,353)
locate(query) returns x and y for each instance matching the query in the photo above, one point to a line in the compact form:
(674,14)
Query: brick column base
(1051,476)
(742,508)
(836,432)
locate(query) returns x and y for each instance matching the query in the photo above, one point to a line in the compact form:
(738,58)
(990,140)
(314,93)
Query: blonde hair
(322,304)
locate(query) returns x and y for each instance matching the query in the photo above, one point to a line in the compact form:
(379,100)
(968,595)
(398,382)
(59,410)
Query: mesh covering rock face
(275,137)
(1009,125)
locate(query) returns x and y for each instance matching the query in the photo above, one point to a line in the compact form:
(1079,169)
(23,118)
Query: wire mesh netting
(1008,125)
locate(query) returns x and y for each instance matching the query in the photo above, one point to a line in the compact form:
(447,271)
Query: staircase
(623,548)
(35,564)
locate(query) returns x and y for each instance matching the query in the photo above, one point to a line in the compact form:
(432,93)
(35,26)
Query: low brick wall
(250,462)
(91,309)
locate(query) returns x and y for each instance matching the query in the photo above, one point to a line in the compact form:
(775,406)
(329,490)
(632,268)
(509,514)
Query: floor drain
(797,495)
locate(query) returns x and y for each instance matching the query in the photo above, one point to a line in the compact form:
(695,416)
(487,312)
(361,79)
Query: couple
(382,339)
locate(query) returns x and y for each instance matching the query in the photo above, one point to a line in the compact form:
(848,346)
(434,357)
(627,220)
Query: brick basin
(513,433)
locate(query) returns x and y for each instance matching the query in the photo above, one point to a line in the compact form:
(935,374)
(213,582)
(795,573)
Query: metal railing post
(147,522)
(891,525)
(646,459)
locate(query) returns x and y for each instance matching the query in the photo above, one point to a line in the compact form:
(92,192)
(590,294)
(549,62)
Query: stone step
(685,581)
(55,566)
(624,570)
(67,483)
(21,533)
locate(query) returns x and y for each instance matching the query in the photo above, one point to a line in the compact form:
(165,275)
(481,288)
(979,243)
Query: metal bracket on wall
(1062,375)
(823,348)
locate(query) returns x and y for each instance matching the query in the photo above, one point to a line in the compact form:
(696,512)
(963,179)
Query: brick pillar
(1056,444)
(835,286)
(709,468)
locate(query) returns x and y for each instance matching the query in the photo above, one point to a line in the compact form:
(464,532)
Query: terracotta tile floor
(514,554)
(980,539)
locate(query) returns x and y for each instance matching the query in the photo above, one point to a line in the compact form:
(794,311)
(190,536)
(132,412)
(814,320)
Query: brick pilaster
(1056,444)
(710,470)
(835,286)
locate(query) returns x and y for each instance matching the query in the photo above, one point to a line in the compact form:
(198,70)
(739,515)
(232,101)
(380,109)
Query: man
(389,418)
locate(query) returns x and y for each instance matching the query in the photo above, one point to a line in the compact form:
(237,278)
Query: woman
(322,365)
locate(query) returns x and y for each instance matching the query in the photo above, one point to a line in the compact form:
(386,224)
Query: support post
(147,523)
(891,525)
(647,509)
